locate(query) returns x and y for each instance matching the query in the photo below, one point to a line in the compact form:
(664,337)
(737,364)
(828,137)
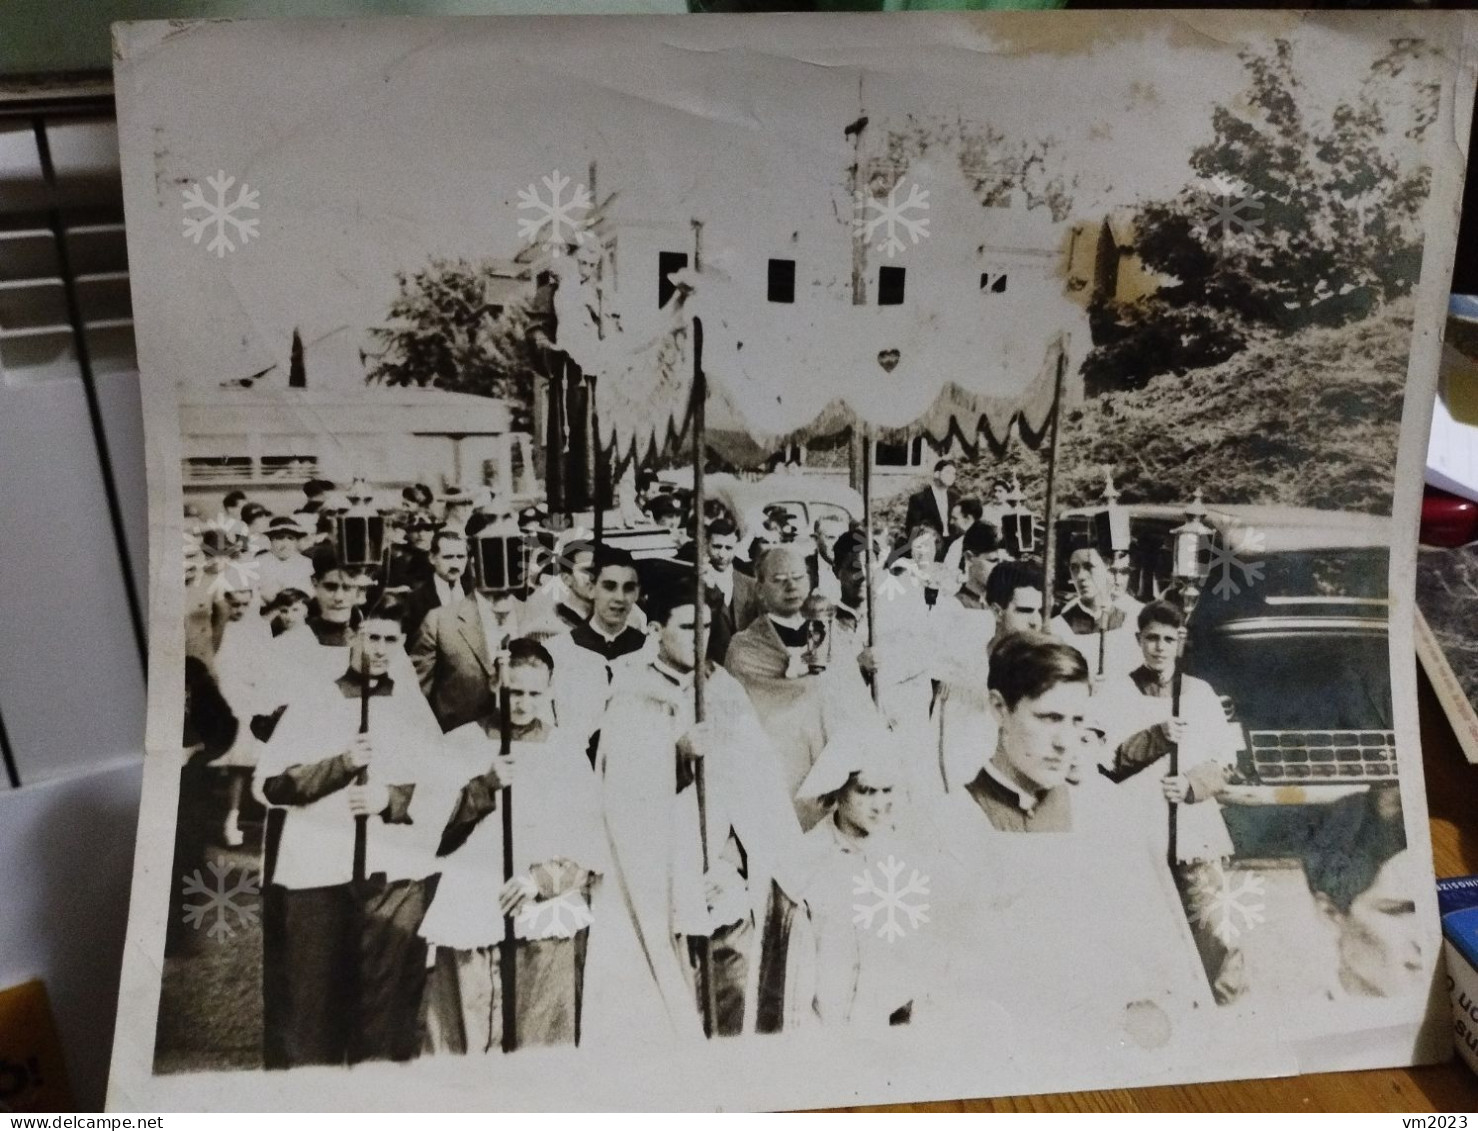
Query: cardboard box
(1457,900)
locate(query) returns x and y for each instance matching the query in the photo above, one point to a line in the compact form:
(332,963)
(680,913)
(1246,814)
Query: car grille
(1305,756)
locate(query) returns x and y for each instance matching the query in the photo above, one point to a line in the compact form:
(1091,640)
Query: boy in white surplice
(557,852)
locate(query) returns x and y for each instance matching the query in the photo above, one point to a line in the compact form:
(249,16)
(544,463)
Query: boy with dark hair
(558,855)
(587,657)
(648,753)
(1207,748)
(342,965)
(1013,592)
(1039,697)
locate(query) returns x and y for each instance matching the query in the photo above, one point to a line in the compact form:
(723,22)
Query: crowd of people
(460,774)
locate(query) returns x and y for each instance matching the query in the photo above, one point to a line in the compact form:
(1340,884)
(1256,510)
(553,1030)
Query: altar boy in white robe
(645,965)
(1143,733)
(342,964)
(872,968)
(558,853)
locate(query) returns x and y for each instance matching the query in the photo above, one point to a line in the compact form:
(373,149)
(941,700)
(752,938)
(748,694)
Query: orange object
(33,1076)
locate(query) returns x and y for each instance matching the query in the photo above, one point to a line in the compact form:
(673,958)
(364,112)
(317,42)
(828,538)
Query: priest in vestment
(800,704)
(663,920)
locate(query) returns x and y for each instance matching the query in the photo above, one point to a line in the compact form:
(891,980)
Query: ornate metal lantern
(359,533)
(1111,524)
(500,558)
(1018,524)
(1190,537)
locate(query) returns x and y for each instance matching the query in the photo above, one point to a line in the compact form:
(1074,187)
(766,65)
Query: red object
(1448,520)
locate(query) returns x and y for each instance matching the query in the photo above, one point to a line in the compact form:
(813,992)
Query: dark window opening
(993,283)
(890,286)
(782,280)
(667,263)
(906,453)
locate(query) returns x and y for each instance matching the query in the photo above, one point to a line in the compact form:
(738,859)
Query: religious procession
(691,700)
(499,802)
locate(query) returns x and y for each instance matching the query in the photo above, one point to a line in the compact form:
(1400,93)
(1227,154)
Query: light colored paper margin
(786,1071)
(1455,705)
(1454,125)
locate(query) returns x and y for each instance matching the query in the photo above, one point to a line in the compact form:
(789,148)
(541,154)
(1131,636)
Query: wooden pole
(700,654)
(867,558)
(1049,556)
(600,472)
(361,820)
(508,967)
(1175,687)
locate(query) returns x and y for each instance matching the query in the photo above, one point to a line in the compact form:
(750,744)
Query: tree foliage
(1326,224)
(443,332)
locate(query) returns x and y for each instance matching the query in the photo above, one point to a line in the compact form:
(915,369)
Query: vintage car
(806,499)
(1291,629)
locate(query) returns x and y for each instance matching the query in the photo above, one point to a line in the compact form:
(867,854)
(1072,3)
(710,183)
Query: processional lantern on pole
(1019,523)
(1111,524)
(500,558)
(360,544)
(359,533)
(1190,538)
(1188,578)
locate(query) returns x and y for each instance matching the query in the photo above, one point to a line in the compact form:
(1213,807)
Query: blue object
(1457,902)
(1463,306)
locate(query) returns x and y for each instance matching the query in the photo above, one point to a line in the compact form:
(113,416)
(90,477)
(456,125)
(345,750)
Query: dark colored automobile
(1291,629)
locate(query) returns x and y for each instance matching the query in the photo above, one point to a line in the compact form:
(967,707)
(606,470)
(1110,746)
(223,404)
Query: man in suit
(448,581)
(931,505)
(732,596)
(456,651)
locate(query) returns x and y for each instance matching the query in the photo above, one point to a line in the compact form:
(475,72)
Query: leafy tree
(1324,223)
(443,332)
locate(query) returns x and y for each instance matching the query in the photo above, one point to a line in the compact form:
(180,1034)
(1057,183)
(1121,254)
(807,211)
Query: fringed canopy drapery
(781,373)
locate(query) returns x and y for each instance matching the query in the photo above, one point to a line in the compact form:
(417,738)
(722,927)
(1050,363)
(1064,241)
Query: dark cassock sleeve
(478,798)
(1206,781)
(304,784)
(397,810)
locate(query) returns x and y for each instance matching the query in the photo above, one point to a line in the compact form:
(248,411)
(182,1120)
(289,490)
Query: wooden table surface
(1452,790)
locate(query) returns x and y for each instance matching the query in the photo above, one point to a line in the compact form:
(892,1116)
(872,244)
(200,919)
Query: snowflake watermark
(575,541)
(568,220)
(892,215)
(222,555)
(1228,206)
(220,214)
(564,916)
(221,900)
(890,899)
(1230,552)
(891,587)
(1229,903)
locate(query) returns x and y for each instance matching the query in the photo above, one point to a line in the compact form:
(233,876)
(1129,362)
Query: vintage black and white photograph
(773,562)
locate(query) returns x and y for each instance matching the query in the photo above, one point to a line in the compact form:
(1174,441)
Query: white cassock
(558,842)
(1070,941)
(320,723)
(1112,653)
(637,982)
(864,972)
